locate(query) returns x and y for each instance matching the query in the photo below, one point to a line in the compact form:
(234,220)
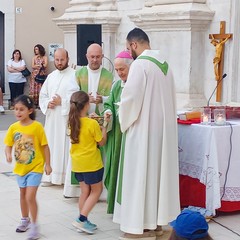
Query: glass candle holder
(206,116)
(219,116)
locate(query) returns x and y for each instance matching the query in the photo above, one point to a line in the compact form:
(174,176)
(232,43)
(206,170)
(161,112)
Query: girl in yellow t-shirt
(86,135)
(31,152)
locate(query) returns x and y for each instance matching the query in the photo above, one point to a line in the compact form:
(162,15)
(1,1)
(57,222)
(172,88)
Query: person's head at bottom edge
(189,225)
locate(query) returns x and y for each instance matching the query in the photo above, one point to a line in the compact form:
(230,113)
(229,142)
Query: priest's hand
(91,98)
(57,100)
(51,105)
(98,99)
(107,118)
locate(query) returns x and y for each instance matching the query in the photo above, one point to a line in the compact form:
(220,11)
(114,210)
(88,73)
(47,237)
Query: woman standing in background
(38,61)
(15,78)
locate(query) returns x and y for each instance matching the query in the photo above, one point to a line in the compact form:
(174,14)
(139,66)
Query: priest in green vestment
(95,80)
(112,148)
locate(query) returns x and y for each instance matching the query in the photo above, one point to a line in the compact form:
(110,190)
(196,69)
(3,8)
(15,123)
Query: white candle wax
(205,118)
(220,120)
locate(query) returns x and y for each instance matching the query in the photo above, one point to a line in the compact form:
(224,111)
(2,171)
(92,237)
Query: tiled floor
(56,213)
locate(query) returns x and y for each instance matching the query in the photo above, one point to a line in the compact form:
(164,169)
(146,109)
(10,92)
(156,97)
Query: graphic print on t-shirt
(24,148)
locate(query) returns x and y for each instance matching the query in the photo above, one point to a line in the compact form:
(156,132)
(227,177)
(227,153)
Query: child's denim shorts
(31,179)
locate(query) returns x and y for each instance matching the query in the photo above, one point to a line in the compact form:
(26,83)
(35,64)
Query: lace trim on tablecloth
(190,170)
(231,194)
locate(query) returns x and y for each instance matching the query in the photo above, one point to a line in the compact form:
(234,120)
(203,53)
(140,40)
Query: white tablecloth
(204,152)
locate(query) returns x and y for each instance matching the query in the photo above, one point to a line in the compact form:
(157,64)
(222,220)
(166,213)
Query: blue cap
(190,224)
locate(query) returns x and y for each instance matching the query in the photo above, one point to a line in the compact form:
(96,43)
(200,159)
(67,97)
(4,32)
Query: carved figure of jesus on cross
(219,40)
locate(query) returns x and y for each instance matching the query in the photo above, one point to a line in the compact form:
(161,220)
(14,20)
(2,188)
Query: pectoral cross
(219,40)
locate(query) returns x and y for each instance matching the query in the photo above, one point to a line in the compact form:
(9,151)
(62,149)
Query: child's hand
(9,159)
(48,169)
(93,115)
(8,154)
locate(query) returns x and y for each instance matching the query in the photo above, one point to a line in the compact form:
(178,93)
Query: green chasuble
(113,145)
(105,82)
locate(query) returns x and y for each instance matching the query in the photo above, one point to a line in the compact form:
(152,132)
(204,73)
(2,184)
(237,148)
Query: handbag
(41,76)
(26,72)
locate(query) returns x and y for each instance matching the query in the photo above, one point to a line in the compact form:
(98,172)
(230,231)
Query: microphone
(223,76)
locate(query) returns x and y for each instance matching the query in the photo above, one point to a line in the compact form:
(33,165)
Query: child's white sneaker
(24,225)
(33,233)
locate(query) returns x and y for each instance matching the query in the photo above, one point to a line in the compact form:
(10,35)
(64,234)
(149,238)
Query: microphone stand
(224,75)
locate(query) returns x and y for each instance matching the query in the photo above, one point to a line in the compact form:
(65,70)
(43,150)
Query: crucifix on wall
(219,40)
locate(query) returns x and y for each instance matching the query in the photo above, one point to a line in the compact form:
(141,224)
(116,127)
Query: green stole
(164,69)
(162,66)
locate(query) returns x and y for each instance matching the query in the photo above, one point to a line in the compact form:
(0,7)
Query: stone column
(102,12)
(177,28)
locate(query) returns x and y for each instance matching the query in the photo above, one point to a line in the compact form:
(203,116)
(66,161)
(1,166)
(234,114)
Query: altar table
(209,161)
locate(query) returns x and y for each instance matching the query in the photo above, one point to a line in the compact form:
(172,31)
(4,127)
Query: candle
(220,120)
(205,119)
(219,116)
(206,116)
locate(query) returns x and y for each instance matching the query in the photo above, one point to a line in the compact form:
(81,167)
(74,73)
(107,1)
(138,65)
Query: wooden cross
(218,40)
